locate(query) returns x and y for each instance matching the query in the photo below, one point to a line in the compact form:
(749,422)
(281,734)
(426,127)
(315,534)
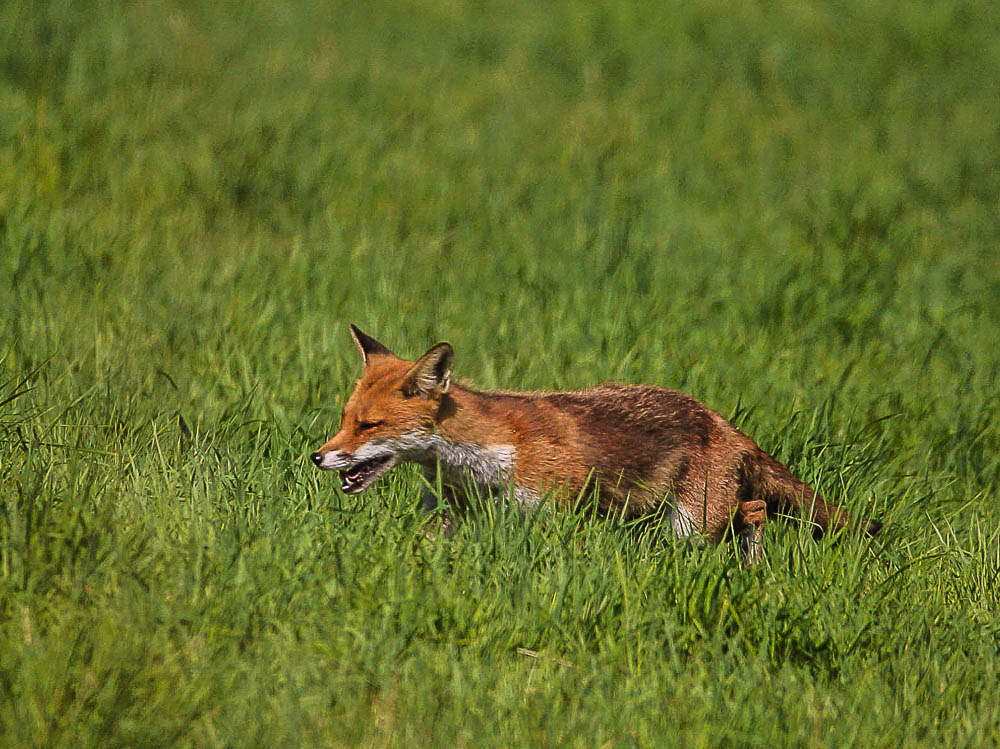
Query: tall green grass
(790,211)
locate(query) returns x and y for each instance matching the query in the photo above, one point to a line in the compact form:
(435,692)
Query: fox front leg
(440,501)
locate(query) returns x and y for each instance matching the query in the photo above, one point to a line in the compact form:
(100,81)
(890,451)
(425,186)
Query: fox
(635,449)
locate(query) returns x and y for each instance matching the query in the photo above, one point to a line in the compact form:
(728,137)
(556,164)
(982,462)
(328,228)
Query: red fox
(638,449)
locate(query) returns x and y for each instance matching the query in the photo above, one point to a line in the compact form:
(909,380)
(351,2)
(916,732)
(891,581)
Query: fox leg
(445,506)
(748,522)
(441,523)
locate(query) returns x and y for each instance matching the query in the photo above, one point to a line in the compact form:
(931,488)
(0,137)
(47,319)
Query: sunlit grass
(788,211)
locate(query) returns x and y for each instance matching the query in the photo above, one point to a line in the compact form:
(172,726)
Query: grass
(787,210)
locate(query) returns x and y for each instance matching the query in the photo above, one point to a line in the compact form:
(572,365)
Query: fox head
(391,415)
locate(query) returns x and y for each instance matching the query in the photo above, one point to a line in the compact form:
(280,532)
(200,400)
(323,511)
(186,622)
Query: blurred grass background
(791,211)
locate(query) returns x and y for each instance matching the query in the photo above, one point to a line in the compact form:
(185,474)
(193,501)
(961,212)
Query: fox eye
(364,426)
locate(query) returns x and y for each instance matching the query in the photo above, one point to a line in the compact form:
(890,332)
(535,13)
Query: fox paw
(442,525)
(753,512)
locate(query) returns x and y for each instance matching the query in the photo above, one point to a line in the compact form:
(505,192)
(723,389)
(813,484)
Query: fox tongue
(354,474)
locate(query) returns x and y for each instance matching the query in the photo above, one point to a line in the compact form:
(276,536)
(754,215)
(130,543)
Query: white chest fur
(489,467)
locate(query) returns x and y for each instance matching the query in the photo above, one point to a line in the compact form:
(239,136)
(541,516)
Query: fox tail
(765,478)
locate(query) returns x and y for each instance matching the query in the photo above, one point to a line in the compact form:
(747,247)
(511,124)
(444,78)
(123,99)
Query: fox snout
(331,460)
(359,470)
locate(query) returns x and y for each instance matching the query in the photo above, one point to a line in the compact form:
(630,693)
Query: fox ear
(431,375)
(367,345)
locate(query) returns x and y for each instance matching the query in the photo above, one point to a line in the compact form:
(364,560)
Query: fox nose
(316,458)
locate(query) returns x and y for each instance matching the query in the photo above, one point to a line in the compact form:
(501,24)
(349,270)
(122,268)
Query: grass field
(790,210)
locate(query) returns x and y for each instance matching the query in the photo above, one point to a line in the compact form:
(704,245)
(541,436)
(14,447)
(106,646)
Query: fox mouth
(361,475)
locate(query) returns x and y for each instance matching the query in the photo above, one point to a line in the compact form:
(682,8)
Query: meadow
(789,210)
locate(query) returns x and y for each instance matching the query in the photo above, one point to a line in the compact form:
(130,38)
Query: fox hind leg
(748,524)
